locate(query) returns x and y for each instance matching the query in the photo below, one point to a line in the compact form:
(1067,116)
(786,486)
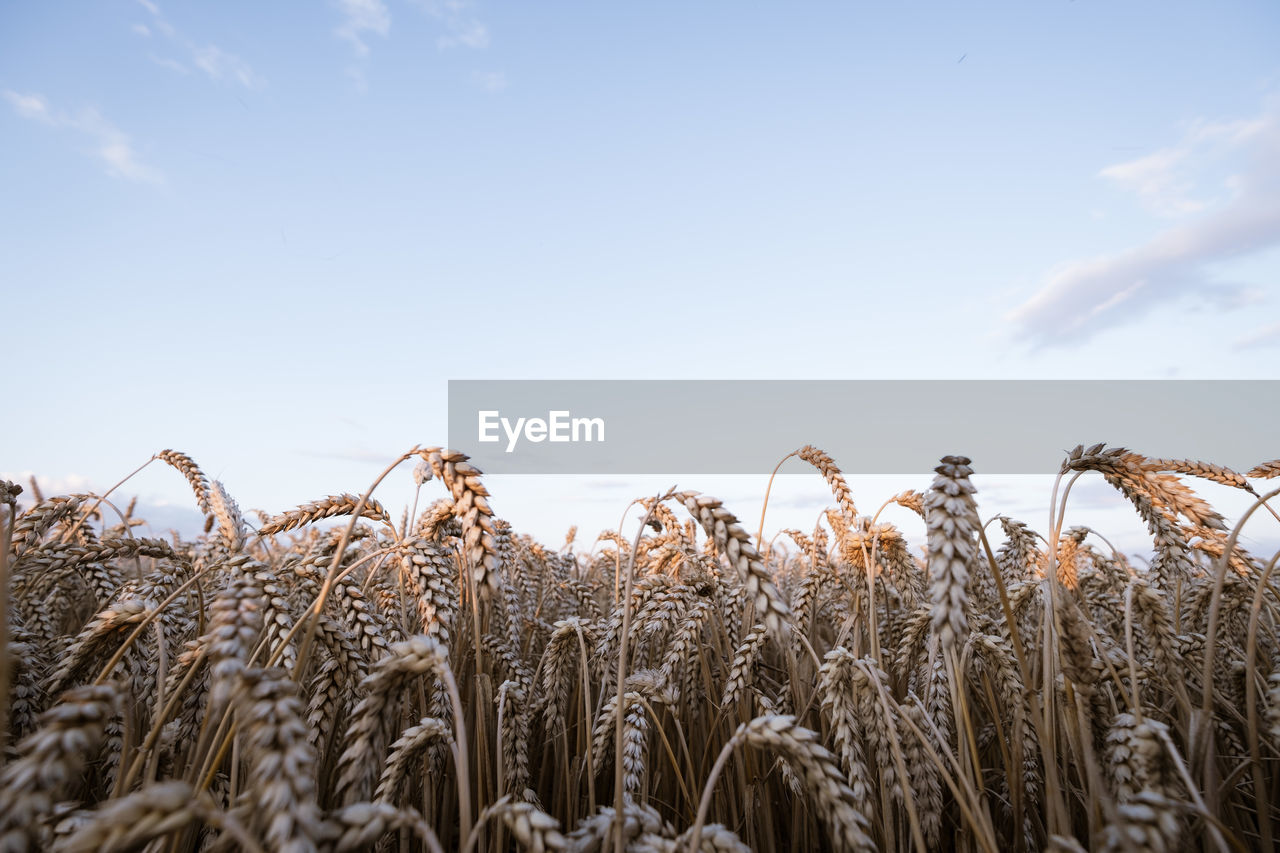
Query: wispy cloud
(490,81)
(172,64)
(30,106)
(1169,180)
(68,484)
(1267,336)
(361,17)
(1235,216)
(462,27)
(1158,181)
(216,63)
(157,21)
(220,65)
(110,145)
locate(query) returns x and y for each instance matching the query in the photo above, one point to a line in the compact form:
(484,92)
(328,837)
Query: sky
(268,234)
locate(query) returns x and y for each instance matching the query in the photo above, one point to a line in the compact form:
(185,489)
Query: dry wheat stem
(1064,653)
(1201,733)
(318,607)
(619,728)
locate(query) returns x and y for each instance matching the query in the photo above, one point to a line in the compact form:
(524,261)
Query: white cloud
(216,63)
(1157,180)
(359,83)
(462,27)
(220,65)
(118,154)
(29,106)
(159,513)
(364,18)
(158,21)
(472,34)
(1166,181)
(110,145)
(1267,336)
(1233,132)
(69,484)
(1084,297)
(490,81)
(360,17)
(172,64)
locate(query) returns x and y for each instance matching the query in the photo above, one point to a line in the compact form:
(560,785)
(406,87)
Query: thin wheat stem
(1251,703)
(1201,733)
(619,726)
(318,608)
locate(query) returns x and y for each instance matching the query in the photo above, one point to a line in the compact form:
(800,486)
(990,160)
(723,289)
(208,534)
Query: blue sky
(268,234)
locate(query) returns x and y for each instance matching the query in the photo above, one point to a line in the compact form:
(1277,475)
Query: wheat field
(438,681)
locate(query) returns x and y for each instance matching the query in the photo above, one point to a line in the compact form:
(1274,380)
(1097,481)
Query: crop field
(431,679)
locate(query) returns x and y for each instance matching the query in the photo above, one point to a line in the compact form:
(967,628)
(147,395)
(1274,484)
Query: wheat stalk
(471,507)
(49,762)
(282,762)
(202,742)
(722,528)
(836,801)
(332,506)
(406,748)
